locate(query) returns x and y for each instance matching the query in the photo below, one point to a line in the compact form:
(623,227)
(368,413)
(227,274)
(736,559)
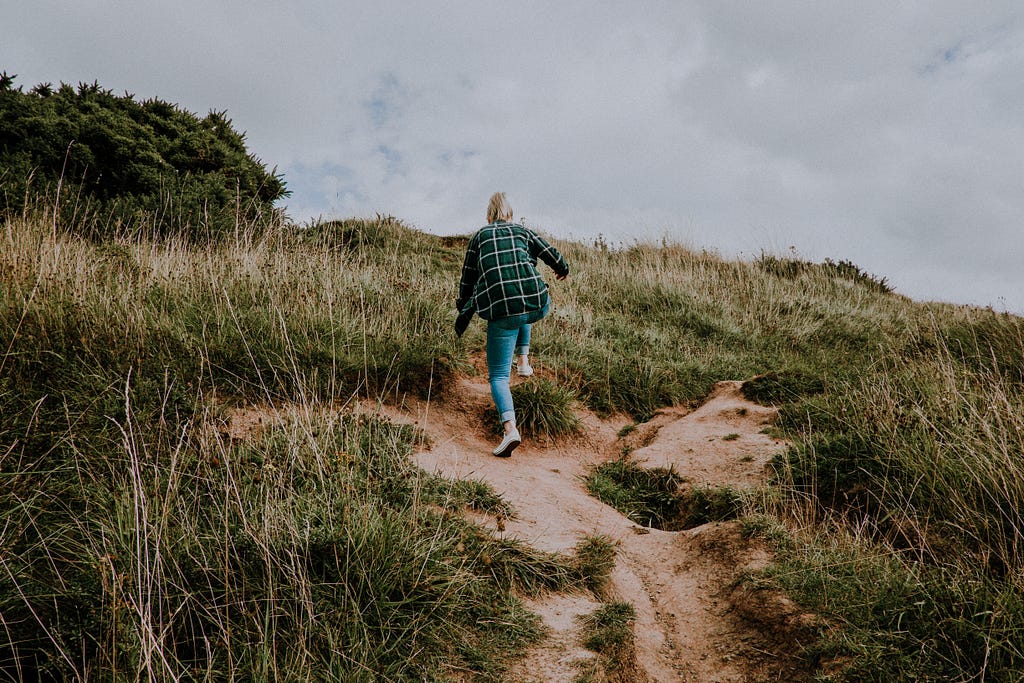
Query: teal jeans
(507,337)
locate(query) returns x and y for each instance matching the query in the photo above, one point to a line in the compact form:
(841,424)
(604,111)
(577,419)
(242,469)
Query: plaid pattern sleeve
(470,274)
(500,271)
(548,254)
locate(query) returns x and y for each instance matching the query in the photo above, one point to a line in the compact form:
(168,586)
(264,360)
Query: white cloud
(886,133)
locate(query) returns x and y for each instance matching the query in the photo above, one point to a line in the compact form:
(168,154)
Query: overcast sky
(883,132)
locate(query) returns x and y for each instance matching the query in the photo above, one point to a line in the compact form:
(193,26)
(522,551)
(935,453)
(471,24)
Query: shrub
(791,268)
(108,161)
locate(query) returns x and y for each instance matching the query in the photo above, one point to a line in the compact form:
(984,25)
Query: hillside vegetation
(106,163)
(142,536)
(138,537)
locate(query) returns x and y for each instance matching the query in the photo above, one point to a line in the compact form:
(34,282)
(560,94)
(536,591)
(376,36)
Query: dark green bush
(109,163)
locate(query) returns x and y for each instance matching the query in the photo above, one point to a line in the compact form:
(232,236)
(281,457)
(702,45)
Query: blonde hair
(498,208)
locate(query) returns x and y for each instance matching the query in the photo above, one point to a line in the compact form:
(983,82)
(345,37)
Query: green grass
(473,494)
(775,388)
(892,618)
(118,359)
(139,541)
(657,497)
(649,497)
(608,631)
(923,459)
(626,431)
(303,555)
(545,409)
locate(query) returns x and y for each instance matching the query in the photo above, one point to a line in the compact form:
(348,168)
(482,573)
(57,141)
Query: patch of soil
(696,620)
(560,657)
(721,443)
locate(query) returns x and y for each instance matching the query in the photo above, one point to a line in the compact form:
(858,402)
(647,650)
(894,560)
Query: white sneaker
(524,370)
(508,444)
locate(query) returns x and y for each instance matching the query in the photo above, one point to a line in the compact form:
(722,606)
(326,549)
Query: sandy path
(691,625)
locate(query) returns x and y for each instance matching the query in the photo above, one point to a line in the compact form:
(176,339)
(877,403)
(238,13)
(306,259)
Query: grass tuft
(774,388)
(647,496)
(545,409)
(474,494)
(594,561)
(608,631)
(657,497)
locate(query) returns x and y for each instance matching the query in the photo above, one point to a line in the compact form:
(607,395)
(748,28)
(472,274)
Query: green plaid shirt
(499,275)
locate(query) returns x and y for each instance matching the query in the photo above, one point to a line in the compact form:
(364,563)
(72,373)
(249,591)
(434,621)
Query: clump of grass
(773,388)
(704,504)
(474,494)
(892,618)
(545,409)
(593,564)
(656,497)
(608,631)
(514,565)
(647,496)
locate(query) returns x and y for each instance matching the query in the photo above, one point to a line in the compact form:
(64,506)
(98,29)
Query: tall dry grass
(136,538)
(141,540)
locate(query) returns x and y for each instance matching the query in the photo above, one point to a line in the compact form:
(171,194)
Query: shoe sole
(507,451)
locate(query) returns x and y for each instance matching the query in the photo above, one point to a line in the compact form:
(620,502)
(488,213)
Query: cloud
(884,133)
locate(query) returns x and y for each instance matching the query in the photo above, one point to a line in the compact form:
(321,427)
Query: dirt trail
(693,623)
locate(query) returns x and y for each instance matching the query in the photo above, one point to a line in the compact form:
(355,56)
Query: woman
(500,281)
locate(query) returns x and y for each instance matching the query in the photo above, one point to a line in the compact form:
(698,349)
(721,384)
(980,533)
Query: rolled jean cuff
(523,350)
(508,415)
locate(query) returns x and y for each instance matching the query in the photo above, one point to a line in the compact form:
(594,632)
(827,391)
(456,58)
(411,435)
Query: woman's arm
(470,274)
(539,248)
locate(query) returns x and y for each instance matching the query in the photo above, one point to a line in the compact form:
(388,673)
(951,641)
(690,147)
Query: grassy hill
(138,537)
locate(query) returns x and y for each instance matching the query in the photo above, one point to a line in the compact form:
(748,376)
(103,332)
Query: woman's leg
(523,340)
(523,351)
(501,342)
